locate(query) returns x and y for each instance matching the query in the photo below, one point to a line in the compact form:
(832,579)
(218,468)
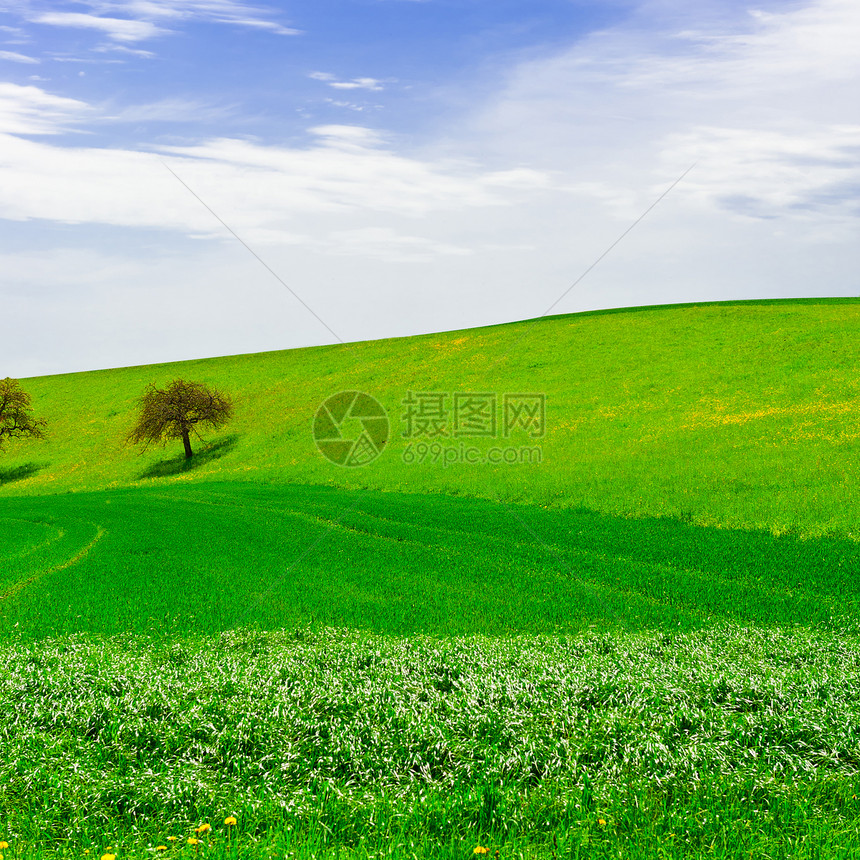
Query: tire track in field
(589,585)
(323,519)
(569,555)
(29,550)
(671,574)
(18,587)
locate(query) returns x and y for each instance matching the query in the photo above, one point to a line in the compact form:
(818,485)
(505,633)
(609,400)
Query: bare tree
(15,418)
(175,412)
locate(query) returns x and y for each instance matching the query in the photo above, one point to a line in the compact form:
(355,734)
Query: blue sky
(193,71)
(409,166)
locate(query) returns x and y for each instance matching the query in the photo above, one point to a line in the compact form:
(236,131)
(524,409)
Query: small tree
(15,418)
(175,412)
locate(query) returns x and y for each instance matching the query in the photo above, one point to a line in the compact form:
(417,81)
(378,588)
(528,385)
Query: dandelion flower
(230,820)
(601,822)
(108,856)
(191,841)
(4,846)
(479,849)
(172,838)
(203,828)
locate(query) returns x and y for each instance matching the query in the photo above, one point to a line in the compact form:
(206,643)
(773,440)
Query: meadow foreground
(642,644)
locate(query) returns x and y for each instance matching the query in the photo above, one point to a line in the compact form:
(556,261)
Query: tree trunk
(187,443)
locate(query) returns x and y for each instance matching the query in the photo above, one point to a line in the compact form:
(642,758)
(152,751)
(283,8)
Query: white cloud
(810,173)
(168,110)
(14,57)
(818,39)
(122,49)
(372,84)
(348,105)
(139,16)
(121,29)
(221,11)
(269,194)
(93,61)
(768,110)
(278,29)
(358,84)
(347,135)
(30,110)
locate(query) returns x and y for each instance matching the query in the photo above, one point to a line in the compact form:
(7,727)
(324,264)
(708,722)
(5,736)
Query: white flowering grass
(731,741)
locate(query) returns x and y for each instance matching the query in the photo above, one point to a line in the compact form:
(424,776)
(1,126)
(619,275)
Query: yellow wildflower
(193,841)
(4,846)
(203,828)
(230,820)
(172,838)
(479,849)
(601,821)
(108,856)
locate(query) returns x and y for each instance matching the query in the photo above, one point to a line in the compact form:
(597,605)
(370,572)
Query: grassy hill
(736,414)
(643,645)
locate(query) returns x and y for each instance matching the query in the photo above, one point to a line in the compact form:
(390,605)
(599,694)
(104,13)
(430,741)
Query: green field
(656,626)
(741,414)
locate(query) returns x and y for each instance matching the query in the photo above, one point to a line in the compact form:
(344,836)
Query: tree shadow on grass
(179,465)
(19,473)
